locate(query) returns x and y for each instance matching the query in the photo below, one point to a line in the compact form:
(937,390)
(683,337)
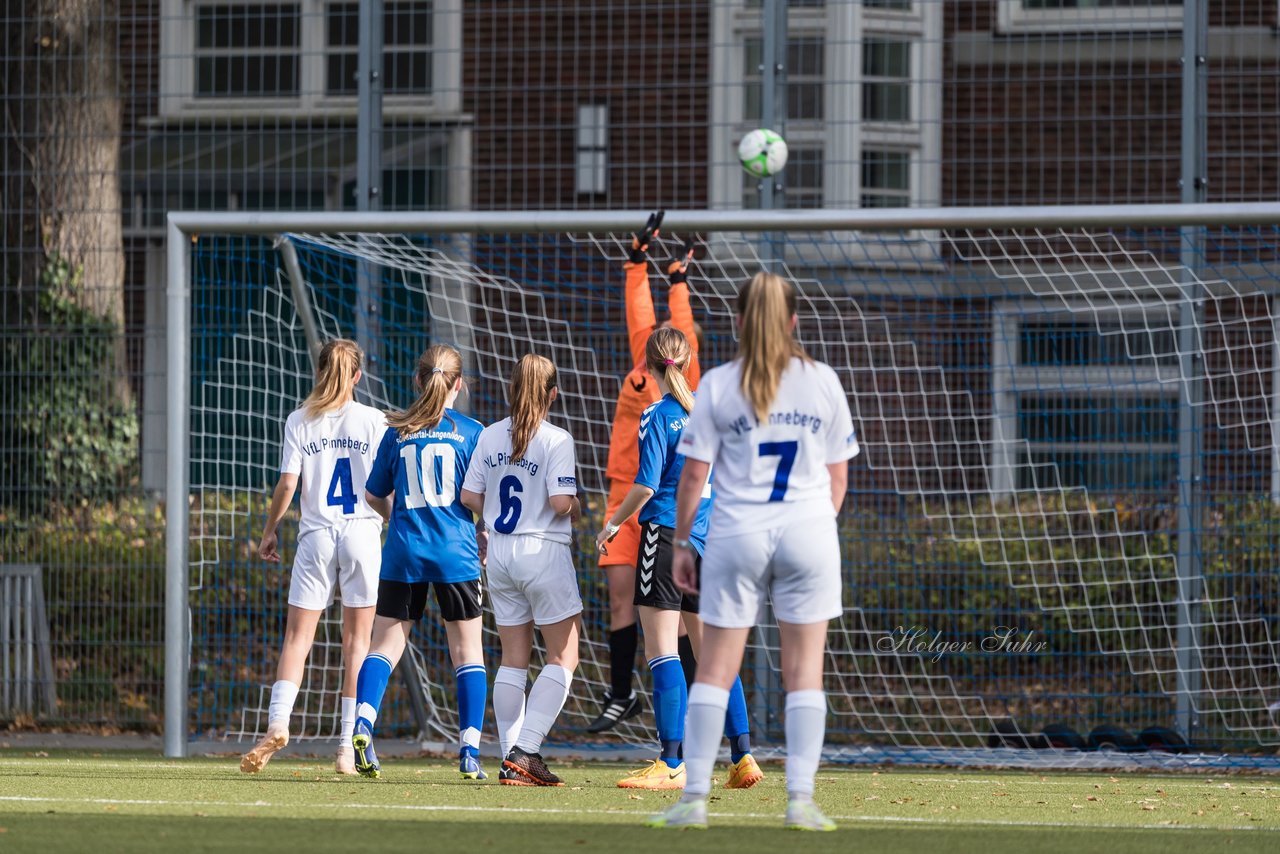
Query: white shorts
(796,565)
(531,579)
(347,557)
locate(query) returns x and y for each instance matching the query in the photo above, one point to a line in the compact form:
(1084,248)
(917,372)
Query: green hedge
(104,583)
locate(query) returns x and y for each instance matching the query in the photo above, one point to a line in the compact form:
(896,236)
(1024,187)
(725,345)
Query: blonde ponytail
(336,370)
(531,384)
(667,354)
(766,345)
(438,371)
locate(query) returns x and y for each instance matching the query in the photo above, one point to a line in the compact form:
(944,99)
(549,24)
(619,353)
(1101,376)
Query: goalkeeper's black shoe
(529,769)
(615,711)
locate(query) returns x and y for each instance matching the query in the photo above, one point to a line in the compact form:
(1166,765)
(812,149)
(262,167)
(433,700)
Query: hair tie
(668,361)
(437,370)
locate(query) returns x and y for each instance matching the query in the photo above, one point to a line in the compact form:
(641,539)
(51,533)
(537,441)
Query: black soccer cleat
(529,768)
(614,712)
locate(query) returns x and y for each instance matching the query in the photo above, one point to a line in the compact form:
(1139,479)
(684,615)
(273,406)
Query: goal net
(1065,513)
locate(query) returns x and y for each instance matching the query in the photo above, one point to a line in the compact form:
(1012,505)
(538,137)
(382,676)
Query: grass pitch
(70,801)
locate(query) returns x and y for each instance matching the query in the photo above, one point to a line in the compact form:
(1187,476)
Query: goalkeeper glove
(677,270)
(640,242)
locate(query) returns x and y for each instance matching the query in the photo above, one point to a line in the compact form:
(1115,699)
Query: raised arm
(682,311)
(641,318)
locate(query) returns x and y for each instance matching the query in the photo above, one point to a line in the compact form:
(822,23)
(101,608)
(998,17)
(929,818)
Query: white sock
(508,704)
(806,727)
(703,729)
(546,699)
(348,721)
(283,695)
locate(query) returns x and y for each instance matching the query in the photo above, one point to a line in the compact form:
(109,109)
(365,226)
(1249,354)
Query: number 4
(786,451)
(341,490)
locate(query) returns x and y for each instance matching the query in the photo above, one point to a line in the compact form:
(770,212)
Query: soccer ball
(762,153)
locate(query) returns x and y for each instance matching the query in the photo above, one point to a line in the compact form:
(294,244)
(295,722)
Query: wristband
(682,544)
(611,530)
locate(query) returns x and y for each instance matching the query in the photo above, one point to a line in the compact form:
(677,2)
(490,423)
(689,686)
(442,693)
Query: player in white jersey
(522,479)
(776,426)
(329,448)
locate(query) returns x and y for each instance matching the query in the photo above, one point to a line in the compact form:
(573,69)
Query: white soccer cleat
(803,814)
(345,763)
(688,813)
(255,760)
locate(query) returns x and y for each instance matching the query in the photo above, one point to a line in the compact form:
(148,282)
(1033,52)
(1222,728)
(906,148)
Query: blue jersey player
(661,605)
(433,544)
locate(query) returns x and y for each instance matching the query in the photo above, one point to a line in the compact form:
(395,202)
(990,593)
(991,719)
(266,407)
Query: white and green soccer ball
(763,153)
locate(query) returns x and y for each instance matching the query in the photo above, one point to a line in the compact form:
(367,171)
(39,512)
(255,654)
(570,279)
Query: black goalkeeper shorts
(654,585)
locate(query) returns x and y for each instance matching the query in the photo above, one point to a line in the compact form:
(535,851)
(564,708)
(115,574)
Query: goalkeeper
(639,390)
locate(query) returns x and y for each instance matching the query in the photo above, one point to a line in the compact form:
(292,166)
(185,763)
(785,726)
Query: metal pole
(177,621)
(1195,44)
(1275,399)
(301,299)
(369,88)
(773,111)
(816,219)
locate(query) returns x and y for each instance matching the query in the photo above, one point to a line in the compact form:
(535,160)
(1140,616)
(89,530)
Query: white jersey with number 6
(770,472)
(333,455)
(516,492)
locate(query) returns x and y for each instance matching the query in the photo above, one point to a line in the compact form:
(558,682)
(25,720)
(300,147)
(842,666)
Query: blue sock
(670,704)
(737,727)
(370,686)
(473,689)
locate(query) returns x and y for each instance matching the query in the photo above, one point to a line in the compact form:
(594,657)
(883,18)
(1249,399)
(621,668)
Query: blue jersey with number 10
(432,537)
(661,465)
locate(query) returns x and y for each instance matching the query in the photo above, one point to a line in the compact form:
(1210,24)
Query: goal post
(1026,542)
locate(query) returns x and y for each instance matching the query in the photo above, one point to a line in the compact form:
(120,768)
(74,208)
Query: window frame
(591,156)
(1013,17)
(841,133)
(1011,380)
(178,98)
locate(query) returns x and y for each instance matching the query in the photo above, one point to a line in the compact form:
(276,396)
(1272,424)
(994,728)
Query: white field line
(329,807)
(1197,781)
(1016,778)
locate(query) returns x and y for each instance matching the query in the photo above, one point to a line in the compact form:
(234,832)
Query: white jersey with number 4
(771,472)
(517,492)
(333,455)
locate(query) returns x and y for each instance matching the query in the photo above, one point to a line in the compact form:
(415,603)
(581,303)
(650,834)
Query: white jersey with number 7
(770,472)
(333,455)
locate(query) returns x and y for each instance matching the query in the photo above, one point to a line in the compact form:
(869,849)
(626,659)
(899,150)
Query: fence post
(1195,44)
(369,190)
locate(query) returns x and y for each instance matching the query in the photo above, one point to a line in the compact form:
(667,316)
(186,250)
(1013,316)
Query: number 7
(786,451)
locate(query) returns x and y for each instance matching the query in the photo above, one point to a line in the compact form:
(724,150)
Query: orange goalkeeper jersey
(639,389)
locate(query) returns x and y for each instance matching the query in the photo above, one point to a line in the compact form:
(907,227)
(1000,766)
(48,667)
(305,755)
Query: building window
(247,50)
(1088,15)
(302,57)
(591,174)
(806,75)
(406,39)
(863,103)
(1084,397)
(886,179)
(801,181)
(886,87)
